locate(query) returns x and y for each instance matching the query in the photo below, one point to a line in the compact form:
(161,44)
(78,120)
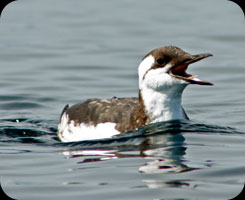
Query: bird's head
(164,69)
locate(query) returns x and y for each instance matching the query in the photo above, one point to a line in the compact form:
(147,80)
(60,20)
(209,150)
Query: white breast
(161,107)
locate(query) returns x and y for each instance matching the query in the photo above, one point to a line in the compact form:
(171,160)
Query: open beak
(179,71)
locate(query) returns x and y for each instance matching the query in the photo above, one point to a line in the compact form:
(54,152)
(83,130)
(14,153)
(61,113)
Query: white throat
(162,106)
(161,93)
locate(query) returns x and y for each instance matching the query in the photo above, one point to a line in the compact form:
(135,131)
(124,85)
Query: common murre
(162,79)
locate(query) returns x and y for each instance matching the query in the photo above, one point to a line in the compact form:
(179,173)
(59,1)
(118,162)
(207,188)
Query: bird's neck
(163,105)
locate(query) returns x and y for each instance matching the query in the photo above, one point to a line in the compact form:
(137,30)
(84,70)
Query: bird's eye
(160,61)
(164,60)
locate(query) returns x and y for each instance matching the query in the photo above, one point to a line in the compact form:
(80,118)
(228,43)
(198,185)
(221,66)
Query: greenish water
(68,51)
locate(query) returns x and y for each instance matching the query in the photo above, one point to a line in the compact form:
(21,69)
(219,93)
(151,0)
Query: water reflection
(161,147)
(163,152)
(91,155)
(167,158)
(153,183)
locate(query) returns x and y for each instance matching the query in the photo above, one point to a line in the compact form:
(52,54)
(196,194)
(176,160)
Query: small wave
(20,106)
(24,130)
(36,131)
(11,97)
(173,130)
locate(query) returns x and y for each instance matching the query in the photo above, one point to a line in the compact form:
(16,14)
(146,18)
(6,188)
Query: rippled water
(69,51)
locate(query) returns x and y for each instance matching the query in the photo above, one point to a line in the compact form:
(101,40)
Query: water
(69,51)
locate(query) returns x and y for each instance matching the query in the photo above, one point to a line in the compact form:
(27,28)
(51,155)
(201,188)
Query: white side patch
(70,132)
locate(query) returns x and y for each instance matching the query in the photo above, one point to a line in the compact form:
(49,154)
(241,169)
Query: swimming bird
(162,79)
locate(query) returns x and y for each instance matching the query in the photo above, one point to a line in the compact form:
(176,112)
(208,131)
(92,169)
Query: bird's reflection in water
(167,156)
(163,152)
(161,147)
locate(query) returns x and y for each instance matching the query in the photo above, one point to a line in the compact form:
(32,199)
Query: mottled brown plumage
(127,113)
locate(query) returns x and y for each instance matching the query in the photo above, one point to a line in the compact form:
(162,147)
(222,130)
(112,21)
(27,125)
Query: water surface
(69,51)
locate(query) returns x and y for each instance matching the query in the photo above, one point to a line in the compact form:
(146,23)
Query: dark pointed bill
(179,71)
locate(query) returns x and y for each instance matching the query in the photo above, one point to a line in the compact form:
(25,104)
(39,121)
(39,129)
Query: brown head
(172,61)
